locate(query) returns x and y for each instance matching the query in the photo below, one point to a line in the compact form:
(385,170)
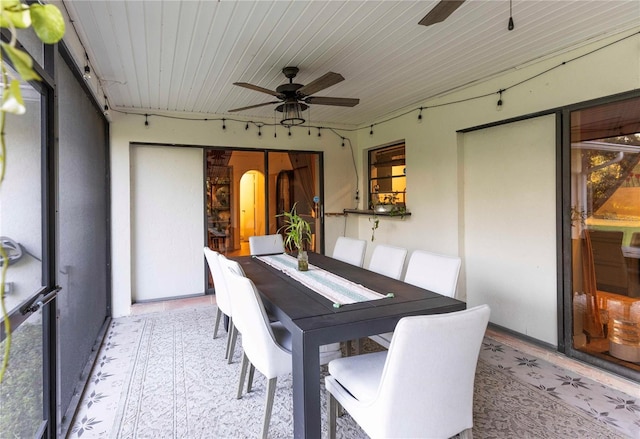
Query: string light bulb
(146,121)
(318,131)
(371,131)
(246,127)
(499,103)
(343,142)
(87,70)
(224,124)
(420,114)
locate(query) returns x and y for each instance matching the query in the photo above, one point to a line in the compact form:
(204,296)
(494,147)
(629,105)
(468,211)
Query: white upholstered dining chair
(266,245)
(431,271)
(267,346)
(223,300)
(388,260)
(350,250)
(421,387)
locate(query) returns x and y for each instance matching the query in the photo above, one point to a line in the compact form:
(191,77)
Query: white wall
(124,129)
(435,160)
(433,147)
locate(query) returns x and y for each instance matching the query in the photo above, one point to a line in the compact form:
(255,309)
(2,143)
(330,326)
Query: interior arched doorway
(252,205)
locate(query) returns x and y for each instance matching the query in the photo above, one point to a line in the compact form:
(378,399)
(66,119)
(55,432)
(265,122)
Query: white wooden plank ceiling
(183,56)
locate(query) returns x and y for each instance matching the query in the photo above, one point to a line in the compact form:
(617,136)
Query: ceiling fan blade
(325,100)
(258,88)
(325,81)
(253,106)
(440,12)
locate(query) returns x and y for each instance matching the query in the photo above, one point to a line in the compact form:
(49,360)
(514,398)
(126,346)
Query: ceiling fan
(440,12)
(295,98)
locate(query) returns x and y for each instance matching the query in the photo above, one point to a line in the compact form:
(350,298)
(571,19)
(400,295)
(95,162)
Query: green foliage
(297,230)
(48,25)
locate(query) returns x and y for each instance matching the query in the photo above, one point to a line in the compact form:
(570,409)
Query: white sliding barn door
(510,225)
(167,222)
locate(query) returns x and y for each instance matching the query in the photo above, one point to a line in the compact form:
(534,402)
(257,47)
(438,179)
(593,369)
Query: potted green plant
(297,233)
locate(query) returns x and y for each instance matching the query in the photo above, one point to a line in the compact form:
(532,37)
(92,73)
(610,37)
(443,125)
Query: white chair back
(251,319)
(350,250)
(433,272)
(388,260)
(425,383)
(266,245)
(223,300)
(432,358)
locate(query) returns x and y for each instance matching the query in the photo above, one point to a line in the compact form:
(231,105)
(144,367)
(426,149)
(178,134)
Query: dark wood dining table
(314,321)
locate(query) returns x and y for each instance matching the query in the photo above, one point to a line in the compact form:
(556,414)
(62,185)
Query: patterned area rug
(178,384)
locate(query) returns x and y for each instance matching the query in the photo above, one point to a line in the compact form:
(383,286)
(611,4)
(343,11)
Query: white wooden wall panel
(167,222)
(510,225)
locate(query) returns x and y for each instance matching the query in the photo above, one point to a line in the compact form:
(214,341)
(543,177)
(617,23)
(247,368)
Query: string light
(499,103)
(224,125)
(87,70)
(289,131)
(343,142)
(146,120)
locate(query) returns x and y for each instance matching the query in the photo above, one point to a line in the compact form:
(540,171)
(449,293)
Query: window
(387,176)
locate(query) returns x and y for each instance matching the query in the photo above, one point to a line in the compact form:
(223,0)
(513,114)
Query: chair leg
(347,347)
(331,415)
(466,434)
(232,346)
(271,390)
(358,343)
(229,335)
(252,370)
(243,372)
(215,326)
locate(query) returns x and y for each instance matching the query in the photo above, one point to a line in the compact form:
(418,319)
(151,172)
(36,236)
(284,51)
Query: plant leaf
(15,13)
(47,22)
(12,99)
(22,62)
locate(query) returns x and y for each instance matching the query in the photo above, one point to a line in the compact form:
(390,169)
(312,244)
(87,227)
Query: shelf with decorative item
(397,213)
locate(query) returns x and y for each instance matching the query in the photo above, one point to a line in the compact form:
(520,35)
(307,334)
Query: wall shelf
(371,213)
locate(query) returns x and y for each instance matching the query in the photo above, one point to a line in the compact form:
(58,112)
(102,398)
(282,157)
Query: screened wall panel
(82,229)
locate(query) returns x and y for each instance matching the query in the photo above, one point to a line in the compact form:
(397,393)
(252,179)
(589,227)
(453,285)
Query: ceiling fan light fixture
(291,113)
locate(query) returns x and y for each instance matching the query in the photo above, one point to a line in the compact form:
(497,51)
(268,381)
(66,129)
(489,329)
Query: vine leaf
(15,14)
(47,22)
(22,62)
(12,99)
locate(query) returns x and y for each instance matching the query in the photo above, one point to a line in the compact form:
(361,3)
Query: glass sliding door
(294,180)
(246,190)
(22,391)
(605,232)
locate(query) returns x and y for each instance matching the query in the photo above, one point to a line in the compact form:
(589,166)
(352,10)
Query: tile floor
(610,399)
